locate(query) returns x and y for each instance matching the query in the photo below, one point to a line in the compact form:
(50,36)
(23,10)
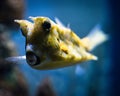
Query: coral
(7,46)
(45,89)
(12,81)
(10,10)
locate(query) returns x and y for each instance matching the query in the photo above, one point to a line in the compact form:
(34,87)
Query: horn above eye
(46,25)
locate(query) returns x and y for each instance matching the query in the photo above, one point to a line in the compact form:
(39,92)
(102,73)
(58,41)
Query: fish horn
(24,24)
(32,18)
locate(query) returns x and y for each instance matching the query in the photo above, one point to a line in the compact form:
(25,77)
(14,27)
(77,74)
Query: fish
(51,45)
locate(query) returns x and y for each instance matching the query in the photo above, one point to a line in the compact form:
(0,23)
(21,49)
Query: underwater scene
(59,48)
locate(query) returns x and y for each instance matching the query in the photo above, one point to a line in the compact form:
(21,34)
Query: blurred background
(93,78)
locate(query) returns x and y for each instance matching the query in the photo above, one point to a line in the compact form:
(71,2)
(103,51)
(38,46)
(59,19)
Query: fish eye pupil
(46,25)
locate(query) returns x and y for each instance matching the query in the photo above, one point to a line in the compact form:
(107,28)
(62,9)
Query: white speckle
(29,33)
(29,47)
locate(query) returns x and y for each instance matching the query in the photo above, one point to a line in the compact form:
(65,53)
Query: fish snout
(32,59)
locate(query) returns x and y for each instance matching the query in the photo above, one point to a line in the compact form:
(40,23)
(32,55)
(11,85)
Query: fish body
(50,45)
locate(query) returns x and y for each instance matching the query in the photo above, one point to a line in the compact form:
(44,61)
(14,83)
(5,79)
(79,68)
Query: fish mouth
(32,59)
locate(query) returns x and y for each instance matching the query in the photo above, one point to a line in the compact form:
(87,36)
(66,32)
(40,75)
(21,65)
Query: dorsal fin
(59,22)
(68,25)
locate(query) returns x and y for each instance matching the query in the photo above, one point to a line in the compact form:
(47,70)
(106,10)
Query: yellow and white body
(50,45)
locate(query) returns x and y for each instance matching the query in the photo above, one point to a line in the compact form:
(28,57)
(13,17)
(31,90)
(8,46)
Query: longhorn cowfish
(51,45)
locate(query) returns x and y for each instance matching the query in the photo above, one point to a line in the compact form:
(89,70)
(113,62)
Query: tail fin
(95,38)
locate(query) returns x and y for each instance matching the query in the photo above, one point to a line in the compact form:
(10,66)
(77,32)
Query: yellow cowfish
(51,45)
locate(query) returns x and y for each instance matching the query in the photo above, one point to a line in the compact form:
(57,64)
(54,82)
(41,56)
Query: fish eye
(46,25)
(32,59)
